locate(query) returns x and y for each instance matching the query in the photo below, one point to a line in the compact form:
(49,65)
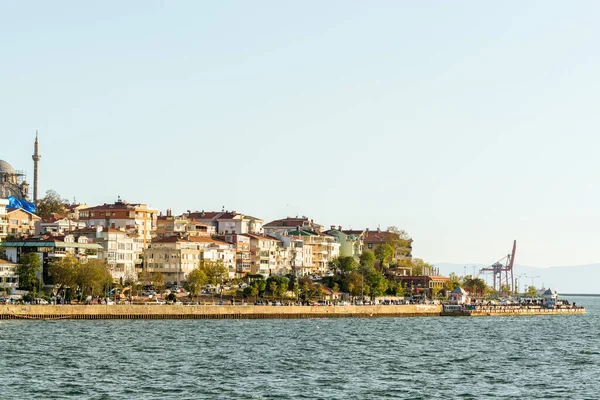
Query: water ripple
(384,358)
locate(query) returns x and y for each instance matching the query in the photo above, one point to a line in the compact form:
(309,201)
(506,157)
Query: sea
(527,357)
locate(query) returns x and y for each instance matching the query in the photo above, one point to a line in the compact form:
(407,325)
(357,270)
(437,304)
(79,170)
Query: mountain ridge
(565,279)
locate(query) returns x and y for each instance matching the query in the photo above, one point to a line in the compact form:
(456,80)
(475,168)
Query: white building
(57,225)
(119,250)
(176,257)
(294,256)
(8,276)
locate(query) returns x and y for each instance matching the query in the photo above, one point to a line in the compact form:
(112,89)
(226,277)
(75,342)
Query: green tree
(531,291)
(63,273)
(367,260)
(250,291)
(157,280)
(384,253)
(27,268)
(420,267)
(195,280)
(51,203)
(216,272)
(355,284)
(273,288)
(377,284)
(400,241)
(453,283)
(305,284)
(282,286)
(93,277)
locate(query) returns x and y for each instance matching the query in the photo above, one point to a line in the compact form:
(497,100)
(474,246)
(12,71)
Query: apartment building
(351,241)
(21,223)
(324,248)
(282,226)
(58,225)
(119,251)
(175,257)
(138,220)
(171,225)
(228,222)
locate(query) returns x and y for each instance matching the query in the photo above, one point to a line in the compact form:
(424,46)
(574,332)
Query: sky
(467,123)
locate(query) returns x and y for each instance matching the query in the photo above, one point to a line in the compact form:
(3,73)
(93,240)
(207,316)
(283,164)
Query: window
(370,245)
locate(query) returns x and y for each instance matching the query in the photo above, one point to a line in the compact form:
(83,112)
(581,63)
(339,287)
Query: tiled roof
(4,262)
(291,222)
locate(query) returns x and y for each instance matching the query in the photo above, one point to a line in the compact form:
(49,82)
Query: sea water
(534,357)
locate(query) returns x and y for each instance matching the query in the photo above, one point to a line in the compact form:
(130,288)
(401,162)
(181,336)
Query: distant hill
(573,279)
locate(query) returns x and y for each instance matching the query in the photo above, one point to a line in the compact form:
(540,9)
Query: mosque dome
(6,168)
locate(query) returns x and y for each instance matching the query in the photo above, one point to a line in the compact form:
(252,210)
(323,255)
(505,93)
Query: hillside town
(137,243)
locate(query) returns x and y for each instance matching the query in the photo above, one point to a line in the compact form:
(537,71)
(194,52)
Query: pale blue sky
(467,123)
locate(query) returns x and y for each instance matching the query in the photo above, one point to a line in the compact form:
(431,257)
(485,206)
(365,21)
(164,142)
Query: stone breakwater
(211,311)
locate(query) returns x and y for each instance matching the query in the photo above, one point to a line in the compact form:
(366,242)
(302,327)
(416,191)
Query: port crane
(503,271)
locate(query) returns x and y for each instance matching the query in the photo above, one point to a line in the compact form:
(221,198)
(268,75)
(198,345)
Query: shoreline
(54,312)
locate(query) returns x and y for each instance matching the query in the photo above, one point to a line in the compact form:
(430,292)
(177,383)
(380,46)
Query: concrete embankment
(211,312)
(515,312)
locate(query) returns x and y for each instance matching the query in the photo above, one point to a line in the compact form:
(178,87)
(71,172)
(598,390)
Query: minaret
(36,161)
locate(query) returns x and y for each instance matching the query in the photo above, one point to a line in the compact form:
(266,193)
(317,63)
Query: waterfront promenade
(244,311)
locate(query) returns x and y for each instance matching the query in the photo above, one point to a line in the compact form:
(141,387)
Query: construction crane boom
(503,271)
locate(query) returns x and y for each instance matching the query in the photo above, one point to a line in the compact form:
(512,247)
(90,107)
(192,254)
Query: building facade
(282,226)
(229,222)
(138,220)
(351,241)
(21,223)
(119,251)
(9,279)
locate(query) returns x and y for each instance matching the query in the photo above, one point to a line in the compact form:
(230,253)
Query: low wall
(514,312)
(209,312)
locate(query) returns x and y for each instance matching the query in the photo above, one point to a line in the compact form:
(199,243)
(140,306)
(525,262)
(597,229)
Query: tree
(158,281)
(453,283)
(305,283)
(51,203)
(377,284)
(343,265)
(195,280)
(367,260)
(63,272)
(347,264)
(216,272)
(400,241)
(251,291)
(282,288)
(531,291)
(384,253)
(355,284)
(273,288)
(420,267)
(27,268)
(92,277)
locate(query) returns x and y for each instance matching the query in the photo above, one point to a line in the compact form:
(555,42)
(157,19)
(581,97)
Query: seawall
(211,311)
